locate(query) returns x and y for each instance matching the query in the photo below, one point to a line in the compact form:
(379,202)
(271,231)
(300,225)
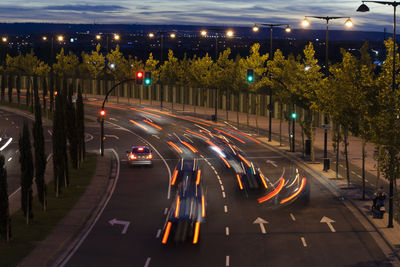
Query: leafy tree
(118,65)
(3,86)
(26,162)
(80,119)
(44,92)
(66,65)
(95,64)
(18,88)
(71,129)
(151,65)
(5,220)
(10,86)
(40,156)
(170,73)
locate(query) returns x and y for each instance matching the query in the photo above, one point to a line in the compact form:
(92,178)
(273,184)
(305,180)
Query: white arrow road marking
(156,136)
(292,216)
(273,163)
(111,136)
(124,223)
(329,222)
(261,222)
(303,240)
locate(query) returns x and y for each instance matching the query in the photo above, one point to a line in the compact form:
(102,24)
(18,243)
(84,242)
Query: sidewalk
(64,237)
(351,197)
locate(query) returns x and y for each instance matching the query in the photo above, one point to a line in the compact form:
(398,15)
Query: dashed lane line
(303,240)
(158,233)
(222,188)
(227,231)
(165,211)
(223,194)
(227,260)
(220,182)
(226,209)
(292,216)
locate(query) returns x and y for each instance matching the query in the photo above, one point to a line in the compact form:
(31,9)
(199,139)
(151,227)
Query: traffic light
(102,113)
(147,78)
(139,77)
(294,115)
(250,75)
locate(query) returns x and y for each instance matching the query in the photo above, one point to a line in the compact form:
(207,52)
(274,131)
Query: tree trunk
(337,150)
(363,168)
(237,109)
(280,123)
(248,109)
(257,113)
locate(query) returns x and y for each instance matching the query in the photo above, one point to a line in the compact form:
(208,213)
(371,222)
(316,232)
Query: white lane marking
(50,133)
(158,153)
(147,262)
(156,136)
(65,260)
(353,172)
(158,233)
(6,144)
(212,167)
(227,123)
(226,209)
(341,165)
(111,136)
(165,211)
(9,159)
(223,194)
(215,172)
(227,230)
(227,261)
(209,163)
(222,188)
(329,222)
(218,177)
(113,119)
(202,156)
(359,176)
(220,182)
(186,135)
(202,128)
(292,216)
(303,240)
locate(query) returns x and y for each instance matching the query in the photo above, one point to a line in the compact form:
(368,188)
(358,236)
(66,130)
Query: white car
(140,155)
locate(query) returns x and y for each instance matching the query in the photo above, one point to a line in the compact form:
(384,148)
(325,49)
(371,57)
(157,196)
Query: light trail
(228,134)
(153,124)
(303,184)
(274,192)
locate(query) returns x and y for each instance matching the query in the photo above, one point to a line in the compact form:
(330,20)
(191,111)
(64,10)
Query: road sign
(124,223)
(261,222)
(329,222)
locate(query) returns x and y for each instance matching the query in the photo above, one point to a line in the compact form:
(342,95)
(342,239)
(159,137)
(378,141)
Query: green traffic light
(147,81)
(294,115)
(250,78)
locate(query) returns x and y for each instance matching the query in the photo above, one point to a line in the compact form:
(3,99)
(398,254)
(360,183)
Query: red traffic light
(102,112)
(139,74)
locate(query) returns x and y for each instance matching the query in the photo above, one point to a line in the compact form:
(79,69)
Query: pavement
(65,236)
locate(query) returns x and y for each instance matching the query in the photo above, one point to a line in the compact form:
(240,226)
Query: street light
(98,36)
(4,39)
(348,23)
(364,8)
(60,38)
(256,28)
(44,38)
(228,33)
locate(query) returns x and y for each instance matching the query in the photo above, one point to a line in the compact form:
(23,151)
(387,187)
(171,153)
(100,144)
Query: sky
(200,12)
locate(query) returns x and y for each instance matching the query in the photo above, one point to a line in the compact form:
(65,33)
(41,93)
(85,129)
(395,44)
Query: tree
(95,64)
(170,73)
(18,88)
(10,86)
(80,122)
(26,162)
(66,65)
(3,86)
(40,156)
(44,91)
(71,128)
(5,220)
(151,65)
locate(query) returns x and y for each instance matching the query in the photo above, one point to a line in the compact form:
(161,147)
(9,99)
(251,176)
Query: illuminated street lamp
(44,38)
(172,35)
(364,8)
(60,38)
(117,37)
(256,28)
(228,33)
(98,36)
(348,23)
(4,39)
(151,35)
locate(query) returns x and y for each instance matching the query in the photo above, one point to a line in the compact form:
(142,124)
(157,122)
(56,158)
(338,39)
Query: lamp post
(162,34)
(347,23)
(229,33)
(256,29)
(364,8)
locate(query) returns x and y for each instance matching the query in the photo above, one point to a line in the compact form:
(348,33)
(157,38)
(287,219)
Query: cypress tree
(80,115)
(18,87)
(71,128)
(28,92)
(44,89)
(5,220)
(40,156)
(26,162)
(57,154)
(10,87)
(63,143)
(3,86)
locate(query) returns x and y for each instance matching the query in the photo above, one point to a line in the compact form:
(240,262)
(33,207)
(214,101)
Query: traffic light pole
(102,119)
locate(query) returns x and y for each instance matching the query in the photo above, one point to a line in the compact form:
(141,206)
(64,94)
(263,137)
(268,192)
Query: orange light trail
(175,147)
(178,117)
(194,150)
(225,161)
(244,160)
(203,208)
(303,184)
(138,124)
(240,182)
(263,180)
(198,177)
(148,113)
(166,233)
(196,233)
(202,136)
(174,177)
(247,136)
(228,134)
(152,124)
(178,201)
(273,193)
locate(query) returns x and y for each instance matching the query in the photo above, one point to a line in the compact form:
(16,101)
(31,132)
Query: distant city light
(172,35)
(151,35)
(60,38)
(203,33)
(256,28)
(98,36)
(44,38)
(117,37)
(229,33)
(305,22)
(4,39)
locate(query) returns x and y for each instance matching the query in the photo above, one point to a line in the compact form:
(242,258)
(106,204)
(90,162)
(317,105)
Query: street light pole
(364,8)
(270,108)
(348,23)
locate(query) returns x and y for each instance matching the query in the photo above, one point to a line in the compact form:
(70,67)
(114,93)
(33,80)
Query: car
(187,212)
(140,155)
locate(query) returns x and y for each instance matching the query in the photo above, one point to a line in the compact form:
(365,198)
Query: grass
(24,237)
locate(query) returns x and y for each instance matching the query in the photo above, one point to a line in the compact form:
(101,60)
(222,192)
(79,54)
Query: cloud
(87,8)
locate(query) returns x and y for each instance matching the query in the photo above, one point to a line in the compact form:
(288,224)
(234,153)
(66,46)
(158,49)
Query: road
(318,232)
